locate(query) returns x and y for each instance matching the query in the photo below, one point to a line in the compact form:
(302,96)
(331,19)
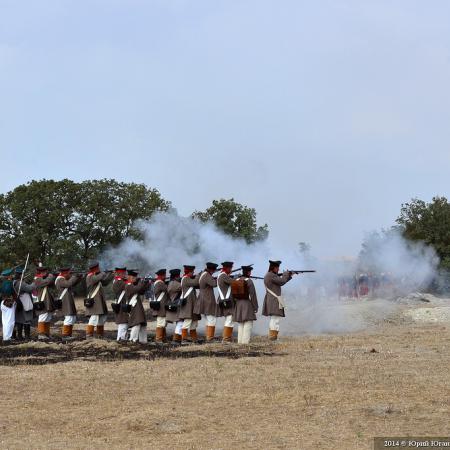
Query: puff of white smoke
(411,265)
(171,241)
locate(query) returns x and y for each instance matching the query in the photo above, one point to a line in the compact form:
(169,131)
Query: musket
(21,276)
(291,271)
(233,271)
(299,271)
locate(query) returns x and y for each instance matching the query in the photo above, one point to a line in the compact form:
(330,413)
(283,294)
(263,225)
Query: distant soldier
(246,307)
(273,301)
(44,281)
(207,303)
(225,300)
(64,284)
(134,289)
(24,310)
(188,302)
(174,291)
(160,299)
(120,305)
(363,284)
(95,302)
(8,304)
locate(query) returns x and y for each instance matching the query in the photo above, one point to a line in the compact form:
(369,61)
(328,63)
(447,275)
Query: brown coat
(187,311)
(137,314)
(45,295)
(174,291)
(160,289)
(246,309)
(92,281)
(118,287)
(68,301)
(206,303)
(224,284)
(274,282)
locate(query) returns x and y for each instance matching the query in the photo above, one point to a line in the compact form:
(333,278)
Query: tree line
(61,222)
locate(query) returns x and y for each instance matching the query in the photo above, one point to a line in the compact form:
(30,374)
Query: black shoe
(27,329)
(19,334)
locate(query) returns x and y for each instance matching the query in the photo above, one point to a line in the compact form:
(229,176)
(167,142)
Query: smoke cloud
(314,305)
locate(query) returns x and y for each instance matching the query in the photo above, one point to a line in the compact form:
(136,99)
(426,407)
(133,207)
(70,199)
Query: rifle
(233,271)
(291,271)
(153,279)
(296,272)
(22,275)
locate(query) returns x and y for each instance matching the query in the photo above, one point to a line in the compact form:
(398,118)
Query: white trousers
(274,323)
(139,333)
(211,320)
(8,320)
(46,317)
(122,330)
(178,327)
(98,320)
(228,321)
(245,332)
(189,324)
(70,320)
(161,322)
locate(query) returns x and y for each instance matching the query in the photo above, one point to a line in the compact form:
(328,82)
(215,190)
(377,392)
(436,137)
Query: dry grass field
(333,392)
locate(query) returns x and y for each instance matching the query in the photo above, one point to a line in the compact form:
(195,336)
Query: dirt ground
(310,392)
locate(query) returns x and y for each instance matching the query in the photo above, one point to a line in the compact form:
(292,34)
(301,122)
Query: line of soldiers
(174,300)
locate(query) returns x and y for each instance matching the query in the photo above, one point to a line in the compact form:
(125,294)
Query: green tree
(430,223)
(234,219)
(63,221)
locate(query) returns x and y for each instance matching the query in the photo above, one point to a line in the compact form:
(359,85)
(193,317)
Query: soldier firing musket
(274,304)
(206,304)
(246,307)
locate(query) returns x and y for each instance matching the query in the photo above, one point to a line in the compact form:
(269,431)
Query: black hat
(161,272)
(227,264)
(275,263)
(212,266)
(41,269)
(64,269)
(93,265)
(132,273)
(187,267)
(120,269)
(174,272)
(246,268)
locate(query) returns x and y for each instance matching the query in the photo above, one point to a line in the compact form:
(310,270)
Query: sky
(325,116)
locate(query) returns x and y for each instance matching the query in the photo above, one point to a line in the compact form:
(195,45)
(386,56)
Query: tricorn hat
(174,272)
(132,273)
(161,272)
(7,272)
(275,263)
(120,269)
(93,265)
(188,267)
(227,264)
(64,269)
(212,266)
(246,268)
